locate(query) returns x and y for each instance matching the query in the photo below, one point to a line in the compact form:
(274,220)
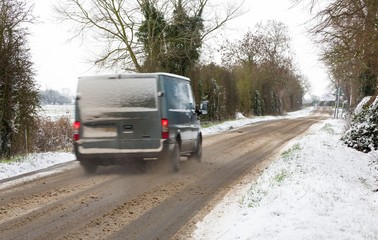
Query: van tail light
(76,128)
(164,128)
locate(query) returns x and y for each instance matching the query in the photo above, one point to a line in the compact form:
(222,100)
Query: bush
(51,135)
(363,134)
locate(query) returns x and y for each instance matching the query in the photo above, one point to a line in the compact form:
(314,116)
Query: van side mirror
(203,107)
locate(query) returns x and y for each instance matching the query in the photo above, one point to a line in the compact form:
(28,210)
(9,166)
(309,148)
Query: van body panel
(181,110)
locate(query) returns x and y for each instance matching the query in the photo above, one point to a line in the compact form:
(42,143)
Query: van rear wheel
(175,158)
(197,154)
(89,167)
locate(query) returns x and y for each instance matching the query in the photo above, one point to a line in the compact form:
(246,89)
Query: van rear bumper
(110,156)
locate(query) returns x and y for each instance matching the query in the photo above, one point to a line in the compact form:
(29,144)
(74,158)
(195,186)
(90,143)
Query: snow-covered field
(317,189)
(56,111)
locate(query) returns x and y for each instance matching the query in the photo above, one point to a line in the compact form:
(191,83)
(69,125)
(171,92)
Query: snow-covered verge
(317,189)
(242,121)
(33,162)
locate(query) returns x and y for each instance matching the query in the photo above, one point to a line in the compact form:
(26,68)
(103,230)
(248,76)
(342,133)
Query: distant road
(121,203)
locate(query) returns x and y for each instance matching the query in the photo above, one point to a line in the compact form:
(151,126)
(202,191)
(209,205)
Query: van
(143,116)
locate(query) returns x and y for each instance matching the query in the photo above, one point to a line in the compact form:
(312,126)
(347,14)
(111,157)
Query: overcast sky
(59,62)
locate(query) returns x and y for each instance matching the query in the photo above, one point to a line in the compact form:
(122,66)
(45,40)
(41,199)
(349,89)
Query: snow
(101,94)
(54,112)
(316,189)
(360,106)
(33,162)
(242,121)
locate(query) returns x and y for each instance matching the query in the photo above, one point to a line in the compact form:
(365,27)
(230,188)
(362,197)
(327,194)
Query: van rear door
(119,114)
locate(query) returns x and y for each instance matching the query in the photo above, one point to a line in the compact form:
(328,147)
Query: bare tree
(269,81)
(117,23)
(348,32)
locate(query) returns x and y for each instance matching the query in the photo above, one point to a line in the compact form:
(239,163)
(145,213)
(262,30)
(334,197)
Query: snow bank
(317,189)
(33,162)
(242,121)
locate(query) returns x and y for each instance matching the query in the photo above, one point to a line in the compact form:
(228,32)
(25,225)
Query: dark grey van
(123,117)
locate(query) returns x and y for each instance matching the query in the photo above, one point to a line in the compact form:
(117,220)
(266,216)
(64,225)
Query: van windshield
(117,95)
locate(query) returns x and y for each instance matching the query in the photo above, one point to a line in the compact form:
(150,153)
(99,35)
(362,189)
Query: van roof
(133,75)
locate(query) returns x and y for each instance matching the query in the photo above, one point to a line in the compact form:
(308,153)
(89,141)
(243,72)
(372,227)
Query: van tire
(89,167)
(175,157)
(197,154)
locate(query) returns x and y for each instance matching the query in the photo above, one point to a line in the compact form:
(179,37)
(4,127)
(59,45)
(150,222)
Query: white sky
(59,62)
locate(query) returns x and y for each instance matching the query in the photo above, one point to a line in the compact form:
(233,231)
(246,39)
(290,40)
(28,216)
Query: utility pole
(337,103)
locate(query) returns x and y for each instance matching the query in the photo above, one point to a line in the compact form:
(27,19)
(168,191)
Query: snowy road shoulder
(317,189)
(33,162)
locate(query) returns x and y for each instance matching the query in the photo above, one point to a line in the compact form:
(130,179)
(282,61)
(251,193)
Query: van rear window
(138,94)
